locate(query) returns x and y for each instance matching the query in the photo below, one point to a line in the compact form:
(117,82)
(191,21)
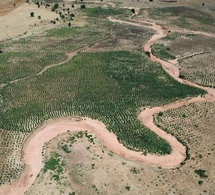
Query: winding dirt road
(32,149)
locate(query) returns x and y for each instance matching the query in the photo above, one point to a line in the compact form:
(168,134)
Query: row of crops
(184,17)
(199,69)
(193,125)
(181,45)
(10,154)
(195,54)
(108,86)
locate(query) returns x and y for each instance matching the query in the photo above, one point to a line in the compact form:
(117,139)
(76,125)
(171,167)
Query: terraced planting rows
(184,17)
(200,69)
(184,45)
(10,156)
(176,121)
(194,53)
(193,125)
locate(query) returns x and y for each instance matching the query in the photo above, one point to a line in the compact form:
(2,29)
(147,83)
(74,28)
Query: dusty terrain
(91,168)
(18,22)
(6,6)
(134,175)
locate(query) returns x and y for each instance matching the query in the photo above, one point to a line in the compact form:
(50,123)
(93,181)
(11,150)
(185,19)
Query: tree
(32,14)
(133,10)
(69,24)
(147,53)
(83,6)
(38,4)
(55,7)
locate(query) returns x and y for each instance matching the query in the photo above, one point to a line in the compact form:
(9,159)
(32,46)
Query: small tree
(32,14)
(133,10)
(83,6)
(38,4)
(69,24)
(147,53)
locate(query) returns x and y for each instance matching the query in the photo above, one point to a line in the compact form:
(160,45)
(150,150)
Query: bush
(201,173)
(32,14)
(133,11)
(83,6)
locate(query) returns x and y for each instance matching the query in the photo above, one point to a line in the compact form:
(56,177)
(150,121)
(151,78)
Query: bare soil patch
(6,6)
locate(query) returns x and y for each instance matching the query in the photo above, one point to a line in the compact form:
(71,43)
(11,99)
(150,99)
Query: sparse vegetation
(161,51)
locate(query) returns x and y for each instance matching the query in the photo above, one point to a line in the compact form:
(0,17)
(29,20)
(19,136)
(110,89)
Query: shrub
(32,14)
(133,11)
(83,6)
(201,173)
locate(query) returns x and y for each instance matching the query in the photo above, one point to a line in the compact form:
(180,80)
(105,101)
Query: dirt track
(32,148)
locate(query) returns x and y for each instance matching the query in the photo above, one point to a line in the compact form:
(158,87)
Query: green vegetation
(105,12)
(201,173)
(65,148)
(162,51)
(171,36)
(54,164)
(134,170)
(110,87)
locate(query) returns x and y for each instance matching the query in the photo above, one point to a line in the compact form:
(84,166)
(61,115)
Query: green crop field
(110,86)
(104,12)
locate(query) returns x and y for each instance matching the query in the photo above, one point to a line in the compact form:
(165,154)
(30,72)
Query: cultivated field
(183,17)
(88,60)
(194,52)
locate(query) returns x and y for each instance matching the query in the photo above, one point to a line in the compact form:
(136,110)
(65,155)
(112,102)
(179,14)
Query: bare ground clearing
(24,25)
